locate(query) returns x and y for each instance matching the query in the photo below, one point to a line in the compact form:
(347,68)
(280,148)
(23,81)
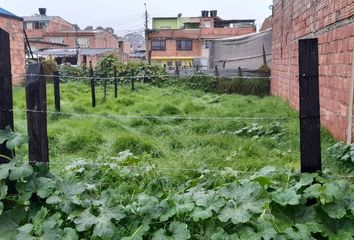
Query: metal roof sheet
(70,52)
(6,13)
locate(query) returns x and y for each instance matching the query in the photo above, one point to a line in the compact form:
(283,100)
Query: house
(54,32)
(248,52)
(185,41)
(332,23)
(14,26)
(68,43)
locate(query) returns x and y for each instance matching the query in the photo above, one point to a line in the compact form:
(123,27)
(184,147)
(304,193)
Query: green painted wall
(158,23)
(172,23)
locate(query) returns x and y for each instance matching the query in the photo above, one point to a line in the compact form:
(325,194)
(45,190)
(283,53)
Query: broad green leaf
(176,231)
(335,210)
(104,228)
(70,234)
(44,187)
(5,169)
(220,234)
(168,210)
(85,221)
(38,221)
(1,207)
(15,141)
(207,202)
(301,232)
(5,134)
(305,180)
(22,171)
(24,232)
(286,197)
(313,191)
(236,213)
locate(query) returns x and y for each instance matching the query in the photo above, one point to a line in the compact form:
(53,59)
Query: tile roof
(5,13)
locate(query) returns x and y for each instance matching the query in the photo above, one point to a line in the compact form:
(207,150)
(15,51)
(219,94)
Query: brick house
(332,22)
(185,41)
(69,44)
(14,26)
(54,32)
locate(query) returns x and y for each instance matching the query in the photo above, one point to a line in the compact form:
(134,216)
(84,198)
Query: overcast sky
(127,16)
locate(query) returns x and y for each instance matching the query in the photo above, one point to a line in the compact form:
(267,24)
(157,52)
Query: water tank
(213,13)
(205,13)
(42,11)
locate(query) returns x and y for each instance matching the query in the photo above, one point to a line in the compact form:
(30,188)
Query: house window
(40,24)
(207,44)
(83,42)
(57,40)
(158,45)
(207,24)
(184,44)
(29,25)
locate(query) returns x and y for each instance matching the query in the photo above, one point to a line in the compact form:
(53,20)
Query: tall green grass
(173,144)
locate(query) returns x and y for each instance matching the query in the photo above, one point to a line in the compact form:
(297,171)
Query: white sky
(128,15)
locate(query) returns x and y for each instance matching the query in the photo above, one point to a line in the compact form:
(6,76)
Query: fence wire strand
(143,169)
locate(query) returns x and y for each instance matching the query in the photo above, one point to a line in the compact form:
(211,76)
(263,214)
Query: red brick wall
(331,21)
(15,29)
(102,39)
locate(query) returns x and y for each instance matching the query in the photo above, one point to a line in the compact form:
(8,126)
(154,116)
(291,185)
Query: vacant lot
(171,128)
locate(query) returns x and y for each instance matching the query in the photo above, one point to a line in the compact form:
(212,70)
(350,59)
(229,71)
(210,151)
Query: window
(207,44)
(184,44)
(207,24)
(57,40)
(29,25)
(40,24)
(83,42)
(158,45)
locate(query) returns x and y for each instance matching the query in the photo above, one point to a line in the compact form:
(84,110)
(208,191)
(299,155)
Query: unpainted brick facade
(95,39)
(14,27)
(330,21)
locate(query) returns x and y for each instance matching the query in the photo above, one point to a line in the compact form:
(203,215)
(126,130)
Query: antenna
(146,17)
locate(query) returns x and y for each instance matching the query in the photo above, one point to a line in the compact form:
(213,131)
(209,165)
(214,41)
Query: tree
(76,27)
(88,28)
(109,29)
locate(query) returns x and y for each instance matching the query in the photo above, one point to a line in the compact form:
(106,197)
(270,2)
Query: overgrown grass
(172,144)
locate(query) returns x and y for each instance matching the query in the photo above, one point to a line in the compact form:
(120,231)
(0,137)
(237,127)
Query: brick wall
(331,21)
(15,28)
(96,39)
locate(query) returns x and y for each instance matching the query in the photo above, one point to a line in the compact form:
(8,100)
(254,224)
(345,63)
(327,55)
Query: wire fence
(163,118)
(201,170)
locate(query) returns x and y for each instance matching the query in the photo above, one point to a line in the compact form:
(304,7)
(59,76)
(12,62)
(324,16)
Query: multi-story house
(185,41)
(14,26)
(52,36)
(52,32)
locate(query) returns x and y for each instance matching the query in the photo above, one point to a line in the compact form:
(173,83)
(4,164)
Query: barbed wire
(77,164)
(152,117)
(127,77)
(180,117)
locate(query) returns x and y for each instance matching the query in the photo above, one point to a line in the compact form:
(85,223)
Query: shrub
(69,73)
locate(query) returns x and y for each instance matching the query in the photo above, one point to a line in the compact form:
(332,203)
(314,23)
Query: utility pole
(148,50)
(146,17)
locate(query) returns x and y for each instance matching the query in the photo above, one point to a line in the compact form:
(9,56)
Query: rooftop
(5,13)
(71,52)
